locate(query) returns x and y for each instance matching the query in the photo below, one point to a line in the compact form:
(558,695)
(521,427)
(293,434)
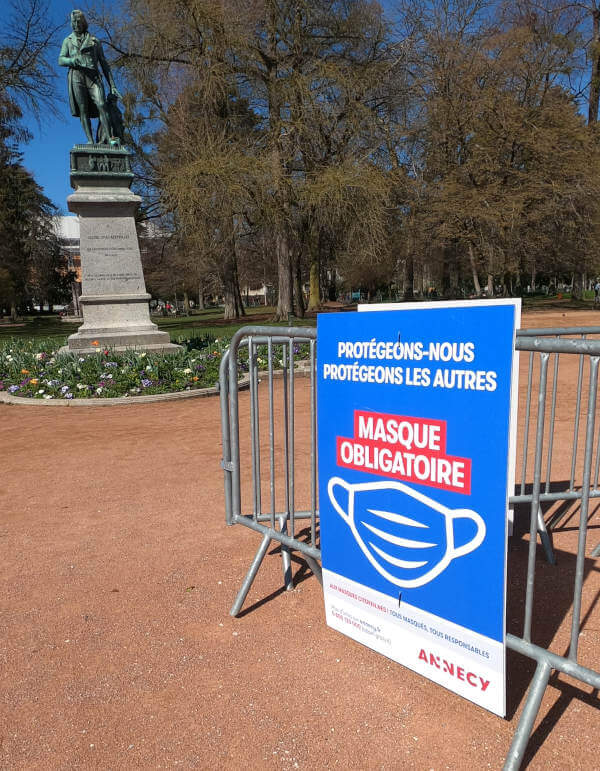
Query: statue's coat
(91,49)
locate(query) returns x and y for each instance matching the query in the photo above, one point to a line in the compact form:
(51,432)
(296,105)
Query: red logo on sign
(449,668)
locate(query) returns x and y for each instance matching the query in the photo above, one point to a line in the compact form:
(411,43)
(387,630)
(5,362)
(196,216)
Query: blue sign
(414,422)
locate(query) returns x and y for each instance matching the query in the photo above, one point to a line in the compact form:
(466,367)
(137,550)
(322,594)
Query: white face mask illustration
(406,536)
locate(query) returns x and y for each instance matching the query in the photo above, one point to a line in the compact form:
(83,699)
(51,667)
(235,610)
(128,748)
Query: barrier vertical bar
(291,444)
(225,432)
(583,509)
(576,426)
(256,410)
(271,432)
(527,419)
(551,425)
(253,421)
(286,459)
(234,429)
(535,501)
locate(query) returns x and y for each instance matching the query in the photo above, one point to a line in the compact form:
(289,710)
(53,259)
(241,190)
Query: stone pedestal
(114,301)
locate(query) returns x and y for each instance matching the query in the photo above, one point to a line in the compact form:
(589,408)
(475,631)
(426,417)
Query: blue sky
(46,156)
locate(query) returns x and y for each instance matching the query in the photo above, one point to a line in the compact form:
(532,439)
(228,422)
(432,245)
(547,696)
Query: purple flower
(64,389)
(111,364)
(69,395)
(146,382)
(1,386)
(13,388)
(24,382)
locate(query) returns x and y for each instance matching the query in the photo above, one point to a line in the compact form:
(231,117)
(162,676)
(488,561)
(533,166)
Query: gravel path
(118,652)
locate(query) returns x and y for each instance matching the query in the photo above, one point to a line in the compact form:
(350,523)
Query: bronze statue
(82,54)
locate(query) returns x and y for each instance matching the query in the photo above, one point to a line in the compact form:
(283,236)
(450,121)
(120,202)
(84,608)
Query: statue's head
(78,21)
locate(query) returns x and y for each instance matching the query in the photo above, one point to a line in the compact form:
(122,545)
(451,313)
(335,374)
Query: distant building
(258,294)
(67,231)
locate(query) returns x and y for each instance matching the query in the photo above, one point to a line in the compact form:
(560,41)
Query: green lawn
(211,321)
(201,323)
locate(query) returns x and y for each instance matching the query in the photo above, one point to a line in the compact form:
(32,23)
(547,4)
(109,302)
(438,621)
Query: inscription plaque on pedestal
(114,265)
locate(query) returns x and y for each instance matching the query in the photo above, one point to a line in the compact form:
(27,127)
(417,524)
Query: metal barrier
(275,525)
(276,350)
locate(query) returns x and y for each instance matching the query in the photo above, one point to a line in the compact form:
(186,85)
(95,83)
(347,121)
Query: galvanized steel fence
(269,476)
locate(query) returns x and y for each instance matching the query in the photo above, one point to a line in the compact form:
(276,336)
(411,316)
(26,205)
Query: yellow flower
(95,342)
(34,381)
(195,378)
(24,371)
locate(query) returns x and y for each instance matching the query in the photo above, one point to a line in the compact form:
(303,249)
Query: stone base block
(118,322)
(143,338)
(159,348)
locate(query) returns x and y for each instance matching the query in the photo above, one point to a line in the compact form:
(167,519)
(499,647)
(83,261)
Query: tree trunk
(186,304)
(13,311)
(300,305)
(240,304)
(284,269)
(201,305)
(408,278)
(314,296)
(231,290)
(490,285)
(232,309)
(476,283)
(577,293)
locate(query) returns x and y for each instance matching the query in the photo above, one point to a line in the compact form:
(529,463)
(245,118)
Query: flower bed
(34,369)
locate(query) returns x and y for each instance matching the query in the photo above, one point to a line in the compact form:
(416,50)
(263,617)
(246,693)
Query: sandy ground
(117,650)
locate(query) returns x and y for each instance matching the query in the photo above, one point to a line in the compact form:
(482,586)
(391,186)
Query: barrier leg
(527,719)
(596,552)
(315,567)
(545,538)
(250,576)
(288,580)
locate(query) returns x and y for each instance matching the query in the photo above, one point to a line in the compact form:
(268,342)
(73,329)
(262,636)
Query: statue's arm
(64,59)
(107,71)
